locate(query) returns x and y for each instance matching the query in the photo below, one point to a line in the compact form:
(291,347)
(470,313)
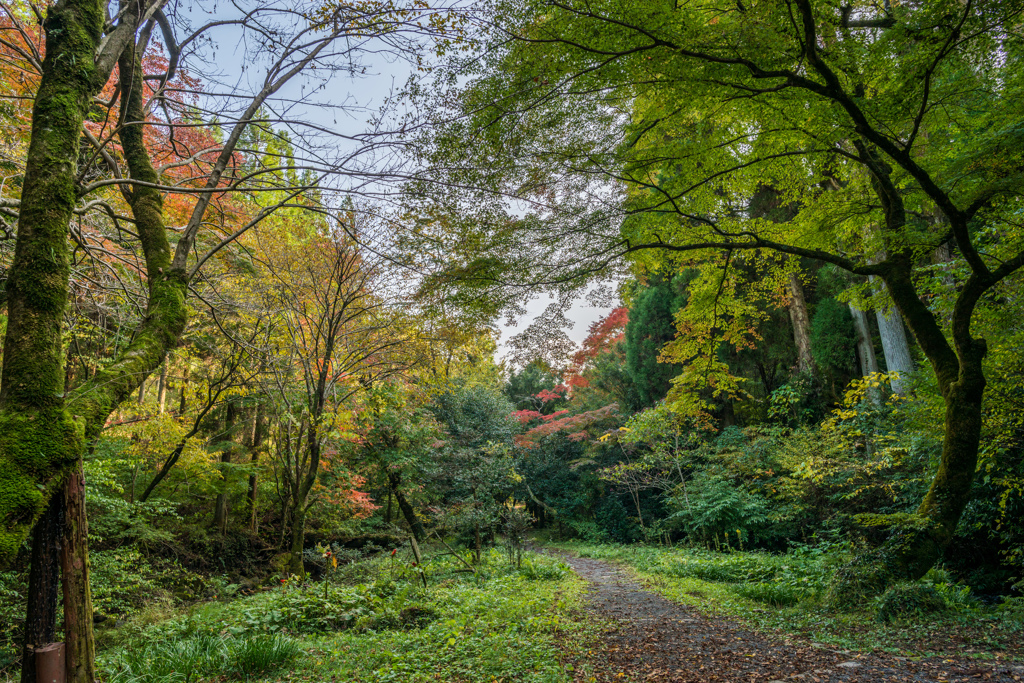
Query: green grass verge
(781,594)
(502,624)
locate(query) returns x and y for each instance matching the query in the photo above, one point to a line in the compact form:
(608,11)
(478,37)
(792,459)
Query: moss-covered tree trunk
(914,548)
(39,440)
(41,427)
(911,552)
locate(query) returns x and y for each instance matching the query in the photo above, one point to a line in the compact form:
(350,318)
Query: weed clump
(771,593)
(907,599)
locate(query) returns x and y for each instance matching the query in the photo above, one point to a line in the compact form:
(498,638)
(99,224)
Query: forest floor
(654,639)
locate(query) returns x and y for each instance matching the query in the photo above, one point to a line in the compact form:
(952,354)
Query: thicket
(824,458)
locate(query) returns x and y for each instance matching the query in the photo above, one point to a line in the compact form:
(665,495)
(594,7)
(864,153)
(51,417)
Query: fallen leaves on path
(654,639)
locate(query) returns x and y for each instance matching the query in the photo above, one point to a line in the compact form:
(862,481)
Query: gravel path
(658,640)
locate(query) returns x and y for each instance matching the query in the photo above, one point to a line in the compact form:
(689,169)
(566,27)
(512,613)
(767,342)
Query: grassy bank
(784,594)
(370,621)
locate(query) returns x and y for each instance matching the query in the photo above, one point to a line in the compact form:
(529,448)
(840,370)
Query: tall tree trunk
(39,442)
(220,509)
(865,347)
(801,325)
(43,585)
(161,397)
(258,434)
(298,538)
(895,347)
(183,394)
(79,643)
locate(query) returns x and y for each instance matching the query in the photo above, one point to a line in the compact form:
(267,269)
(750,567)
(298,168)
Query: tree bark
(220,509)
(258,434)
(895,347)
(43,585)
(79,643)
(298,539)
(39,440)
(865,347)
(801,325)
(395,481)
(161,398)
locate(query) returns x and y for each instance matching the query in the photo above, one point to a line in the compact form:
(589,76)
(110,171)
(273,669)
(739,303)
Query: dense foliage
(257,411)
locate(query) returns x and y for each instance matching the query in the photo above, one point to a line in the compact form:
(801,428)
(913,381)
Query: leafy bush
(907,599)
(298,608)
(123,580)
(543,570)
(857,583)
(417,616)
(13,588)
(715,509)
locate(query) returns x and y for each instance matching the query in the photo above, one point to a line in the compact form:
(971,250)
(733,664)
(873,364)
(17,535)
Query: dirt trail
(659,640)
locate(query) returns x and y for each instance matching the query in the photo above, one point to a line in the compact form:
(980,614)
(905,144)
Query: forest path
(655,639)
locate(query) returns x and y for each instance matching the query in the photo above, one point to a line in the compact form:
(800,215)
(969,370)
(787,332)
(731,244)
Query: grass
(500,624)
(783,594)
(203,657)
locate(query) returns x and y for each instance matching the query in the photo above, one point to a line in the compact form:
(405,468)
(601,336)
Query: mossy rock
(279,564)
(907,599)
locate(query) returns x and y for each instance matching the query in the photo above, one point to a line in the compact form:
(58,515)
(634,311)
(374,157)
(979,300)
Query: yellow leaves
(605,437)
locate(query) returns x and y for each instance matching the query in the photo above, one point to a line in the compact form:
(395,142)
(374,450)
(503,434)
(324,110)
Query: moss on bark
(39,441)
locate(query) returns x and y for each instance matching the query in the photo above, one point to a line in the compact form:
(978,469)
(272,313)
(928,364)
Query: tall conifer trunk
(801,321)
(895,347)
(865,348)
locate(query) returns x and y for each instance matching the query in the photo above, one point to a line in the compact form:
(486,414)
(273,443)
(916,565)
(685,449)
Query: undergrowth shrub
(124,580)
(294,607)
(544,570)
(730,568)
(906,599)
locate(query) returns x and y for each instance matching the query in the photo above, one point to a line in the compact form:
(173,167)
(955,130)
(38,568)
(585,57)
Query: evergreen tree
(651,325)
